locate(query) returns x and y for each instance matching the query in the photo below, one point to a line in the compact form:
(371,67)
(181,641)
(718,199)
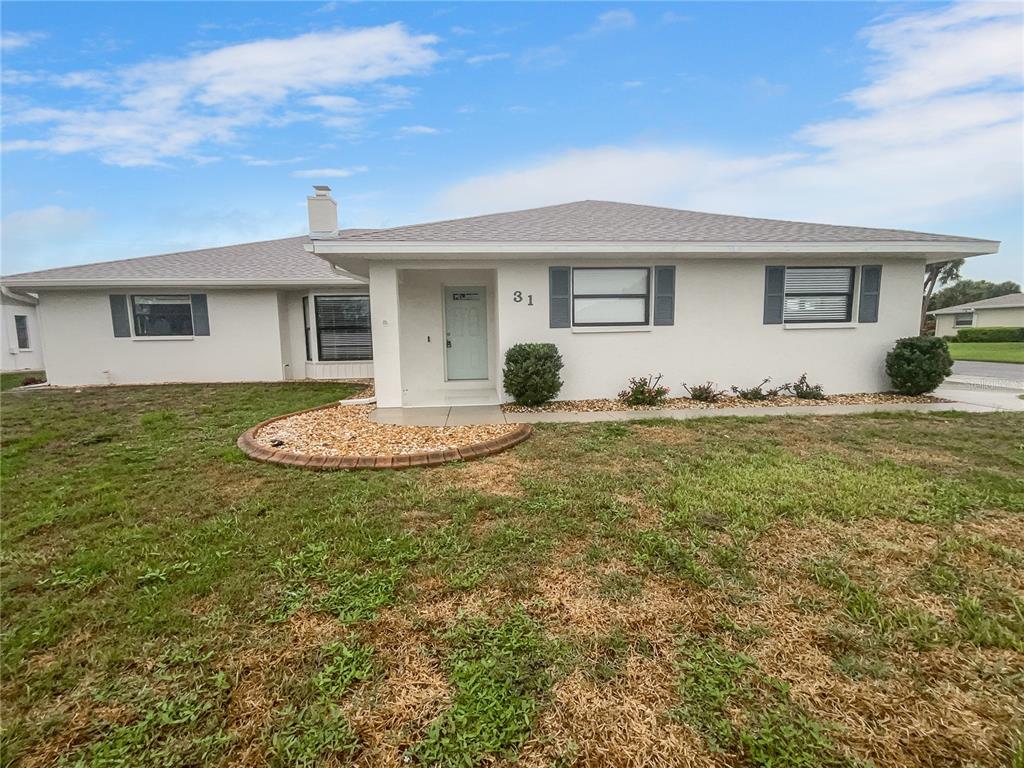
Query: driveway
(1005,371)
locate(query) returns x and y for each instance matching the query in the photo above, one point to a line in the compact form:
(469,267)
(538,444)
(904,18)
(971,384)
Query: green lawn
(988,352)
(17,378)
(800,591)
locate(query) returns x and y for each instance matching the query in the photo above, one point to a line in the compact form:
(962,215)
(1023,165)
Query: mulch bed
(872,398)
(345,430)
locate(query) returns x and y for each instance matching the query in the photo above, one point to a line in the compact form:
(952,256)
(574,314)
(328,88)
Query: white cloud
(329,173)
(262,162)
(13,41)
(613,21)
(928,139)
(630,84)
(417,130)
(169,109)
(335,103)
(483,58)
(32,236)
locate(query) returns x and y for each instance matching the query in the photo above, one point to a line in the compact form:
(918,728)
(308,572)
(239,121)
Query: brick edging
(248,445)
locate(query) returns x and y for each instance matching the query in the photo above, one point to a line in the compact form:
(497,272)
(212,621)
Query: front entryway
(465,326)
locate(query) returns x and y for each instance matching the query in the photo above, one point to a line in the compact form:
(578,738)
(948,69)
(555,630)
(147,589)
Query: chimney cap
(322,190)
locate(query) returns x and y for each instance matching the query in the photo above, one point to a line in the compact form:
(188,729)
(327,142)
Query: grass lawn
(800,591)
(17,378)
(988,352)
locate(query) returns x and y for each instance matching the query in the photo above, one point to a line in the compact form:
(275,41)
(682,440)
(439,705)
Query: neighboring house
(628,290)
(1005,311)
(622,290)
(21,343)
(264,311)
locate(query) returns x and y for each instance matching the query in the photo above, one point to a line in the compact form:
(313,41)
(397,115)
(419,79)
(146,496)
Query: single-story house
(429,310)
(1006,311)
(266,311)
(20,340)
(628,290)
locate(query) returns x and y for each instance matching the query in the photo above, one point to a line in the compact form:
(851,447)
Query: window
(162,315)
(21,328)
(818,295)
(343,328)
(963,319)
(610,296)
(305,326)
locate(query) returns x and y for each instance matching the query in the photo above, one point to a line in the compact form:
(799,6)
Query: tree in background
(940,273)
(965,291)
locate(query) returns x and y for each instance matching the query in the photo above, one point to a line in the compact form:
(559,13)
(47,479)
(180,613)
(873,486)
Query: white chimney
(323,211)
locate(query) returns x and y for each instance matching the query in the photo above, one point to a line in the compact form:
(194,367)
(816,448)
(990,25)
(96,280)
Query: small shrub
(804,390)
(644,390)
(707,392)
(758,392)
(31,380)
(918,364)
(531,373)
(994,333)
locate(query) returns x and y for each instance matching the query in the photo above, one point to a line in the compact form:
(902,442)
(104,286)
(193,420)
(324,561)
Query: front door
(465,330)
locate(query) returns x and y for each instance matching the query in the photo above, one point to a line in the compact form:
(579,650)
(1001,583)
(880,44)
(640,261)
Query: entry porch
(435,336)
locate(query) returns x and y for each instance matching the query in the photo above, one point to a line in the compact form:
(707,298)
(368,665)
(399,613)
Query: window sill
(163,338)
(612,329)
(818,326)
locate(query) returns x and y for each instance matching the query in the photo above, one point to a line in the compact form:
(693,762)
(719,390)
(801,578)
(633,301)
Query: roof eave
(43,284)
(933,250)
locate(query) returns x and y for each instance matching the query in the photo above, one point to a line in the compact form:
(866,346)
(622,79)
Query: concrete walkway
(440,416)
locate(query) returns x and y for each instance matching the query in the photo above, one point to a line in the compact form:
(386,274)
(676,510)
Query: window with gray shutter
(818,295)
(664,295)
(200,315)
(119,315)
(162,315)
(870,292)
(559,298)
(343,328)
(774,294)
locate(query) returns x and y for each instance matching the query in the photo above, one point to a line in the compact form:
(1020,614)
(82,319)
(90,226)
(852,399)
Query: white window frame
(314,342)
(174,337)
(851,296)
(17,337)
(646,296)
(968,324)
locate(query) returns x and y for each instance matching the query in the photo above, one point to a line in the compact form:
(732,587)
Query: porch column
(387,362)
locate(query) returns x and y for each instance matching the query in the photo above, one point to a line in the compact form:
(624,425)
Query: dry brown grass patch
(495,475)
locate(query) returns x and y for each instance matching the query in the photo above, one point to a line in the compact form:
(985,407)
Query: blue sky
(132,129)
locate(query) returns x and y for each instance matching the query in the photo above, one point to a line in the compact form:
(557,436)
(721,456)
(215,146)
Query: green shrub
(804,390)
(758,392)
(918,364)
(531,373)
(708,392)
(995,333)
(644,390)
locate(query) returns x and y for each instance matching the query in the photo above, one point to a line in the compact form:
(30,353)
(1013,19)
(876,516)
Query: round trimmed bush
(531,373)
(918,364)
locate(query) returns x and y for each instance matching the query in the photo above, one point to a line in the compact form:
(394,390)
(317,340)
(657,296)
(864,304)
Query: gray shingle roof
(1007,301)
(597,220)
(282,261)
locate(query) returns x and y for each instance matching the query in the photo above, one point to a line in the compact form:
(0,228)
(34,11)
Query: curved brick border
(248,445)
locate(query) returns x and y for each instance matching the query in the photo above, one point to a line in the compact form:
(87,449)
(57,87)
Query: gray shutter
(559,300)
(200,315)
(119,315)
(664,295)
(870,290)
(774,294)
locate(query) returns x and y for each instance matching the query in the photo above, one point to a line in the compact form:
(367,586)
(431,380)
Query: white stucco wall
(14,359)
(243,345)
(422,334)
(719,334)
(944,326)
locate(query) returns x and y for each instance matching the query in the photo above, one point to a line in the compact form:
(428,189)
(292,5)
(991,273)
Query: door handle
(448,343)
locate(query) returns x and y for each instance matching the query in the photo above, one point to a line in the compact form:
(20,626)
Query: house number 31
(517,297)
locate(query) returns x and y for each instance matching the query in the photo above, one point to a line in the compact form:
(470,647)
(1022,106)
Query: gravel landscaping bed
(726,402)
(345,430)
